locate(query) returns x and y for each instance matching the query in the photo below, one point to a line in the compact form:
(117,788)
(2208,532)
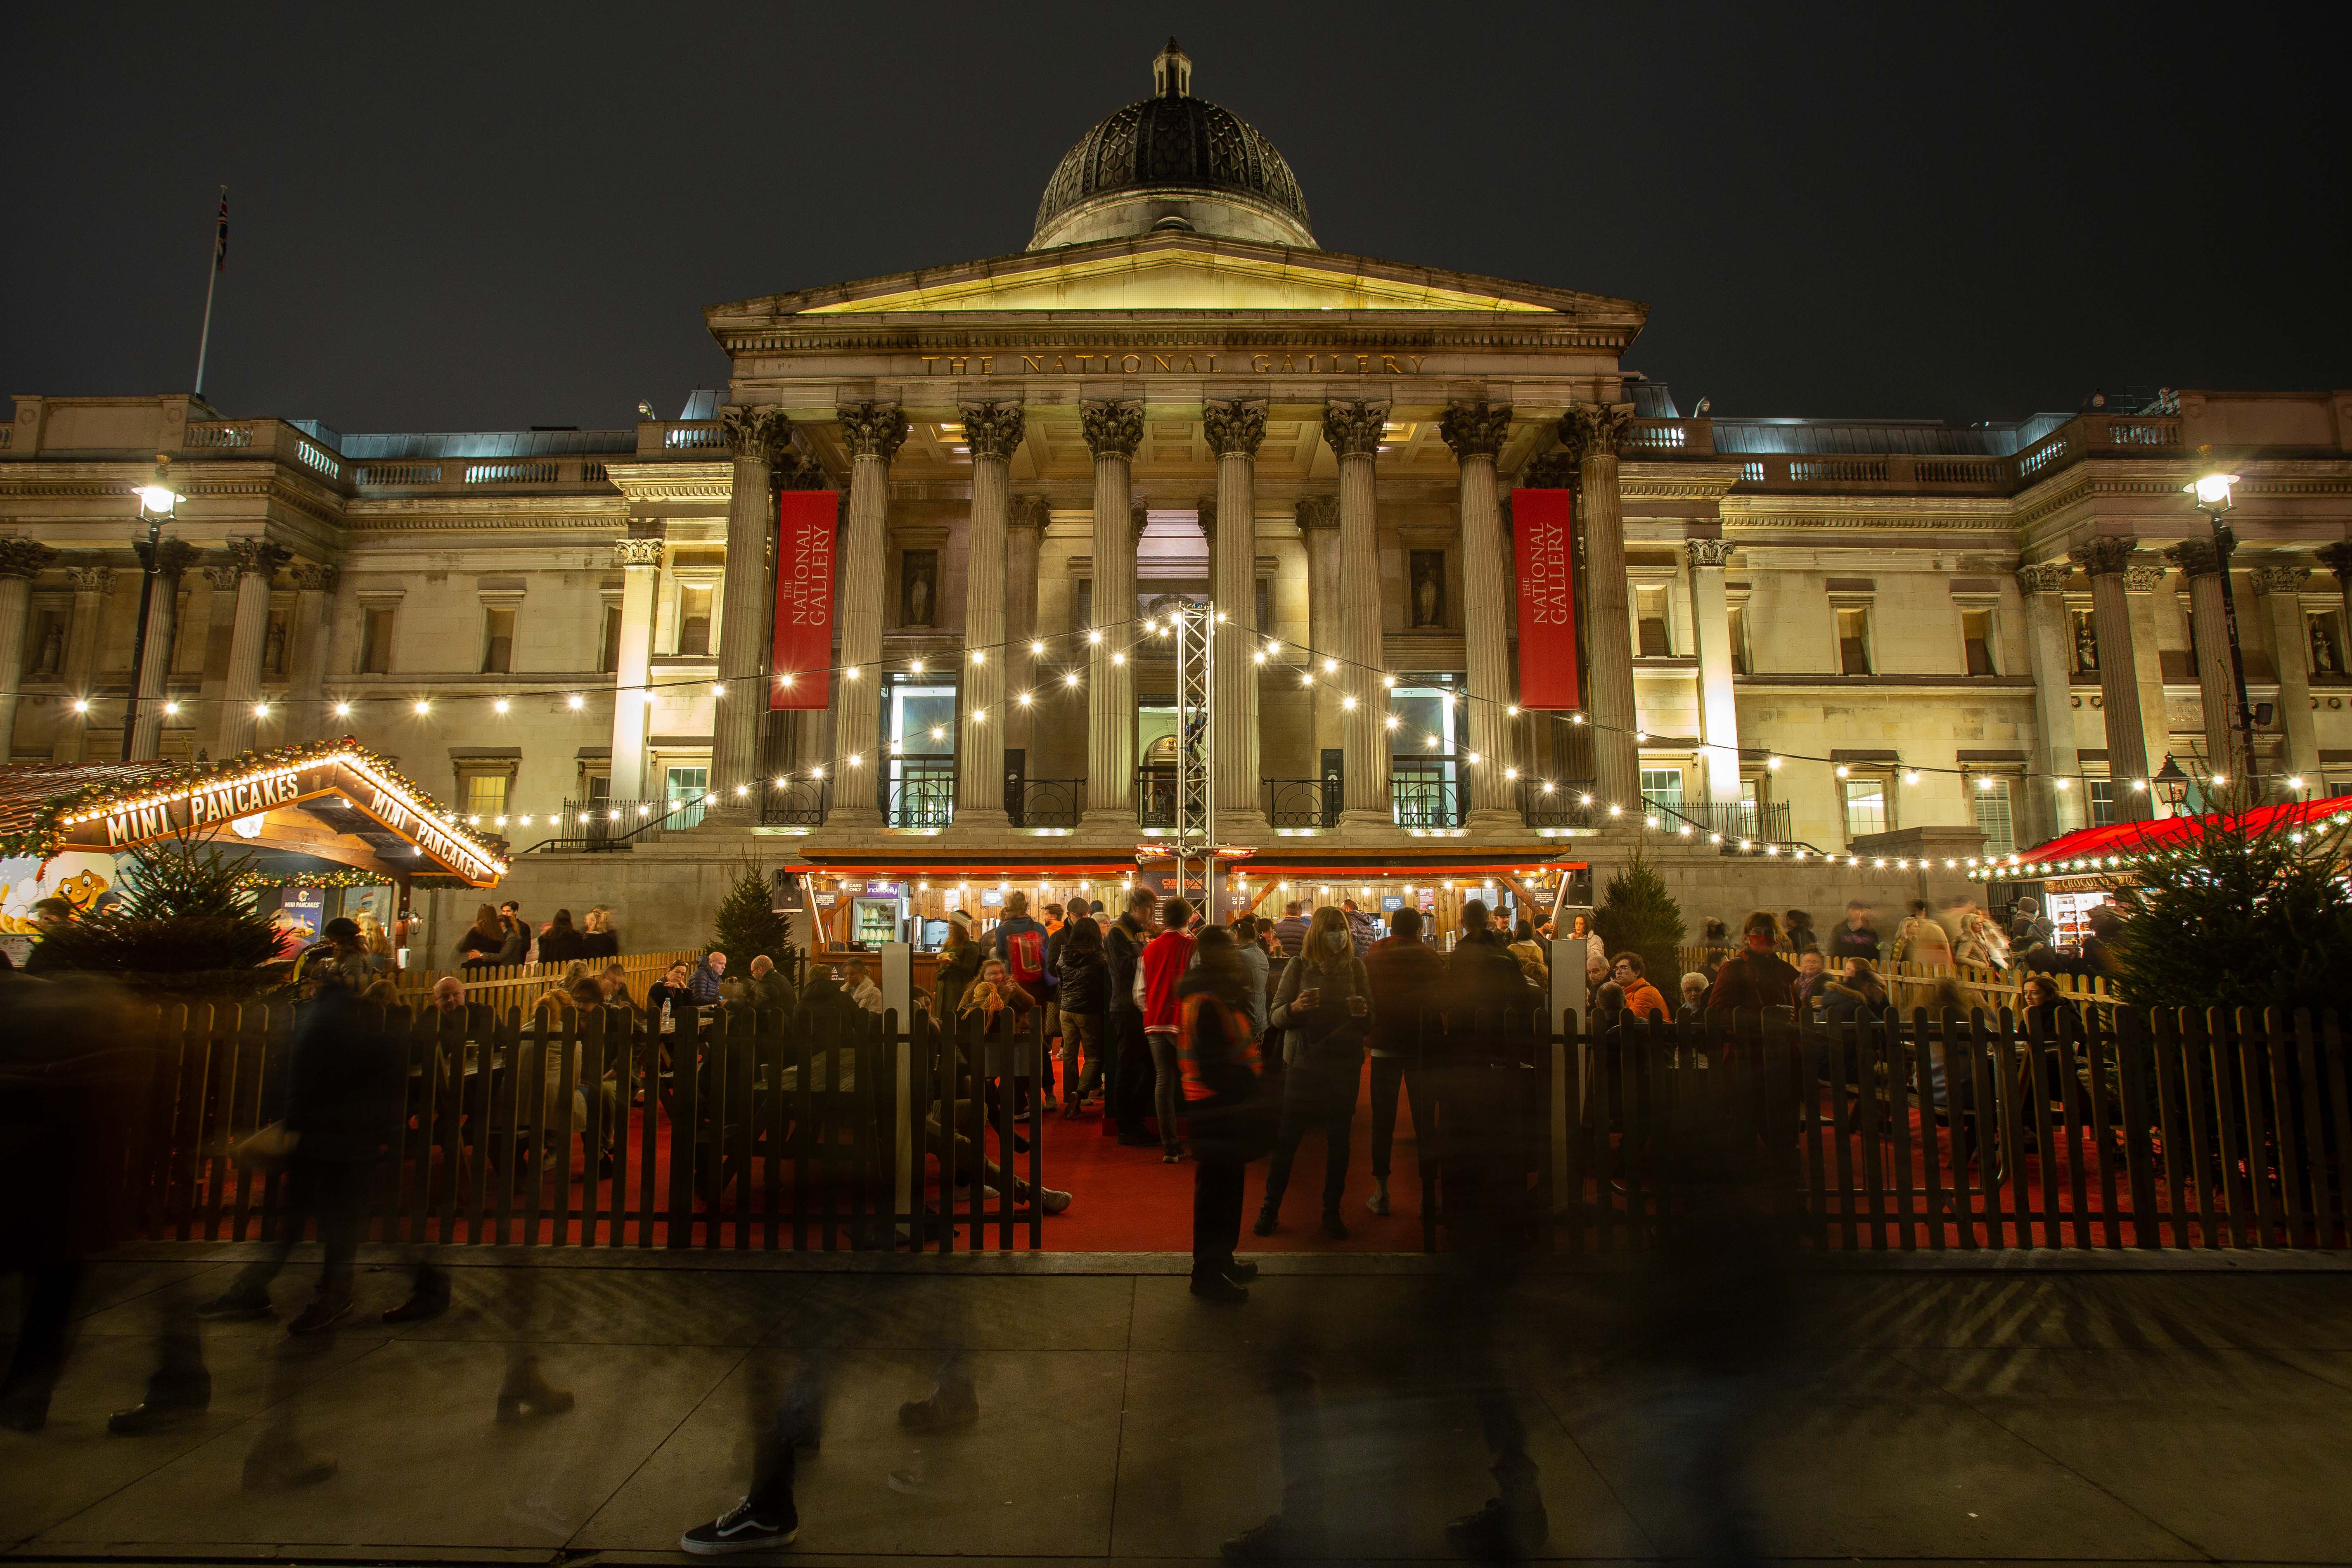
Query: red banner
(804,647)
(1543,541)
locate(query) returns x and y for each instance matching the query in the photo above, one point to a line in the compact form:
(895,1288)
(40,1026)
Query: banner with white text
(1543,542)
(801,676)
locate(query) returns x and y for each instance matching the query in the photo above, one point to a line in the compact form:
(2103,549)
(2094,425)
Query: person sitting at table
(859,984)
(1639,995)
(772,988)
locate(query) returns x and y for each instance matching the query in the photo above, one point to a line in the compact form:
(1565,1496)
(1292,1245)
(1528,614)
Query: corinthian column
(873,432)
(90,586)
(2050,649)
(2281,591)
(1318,528)
(1477,431)
(1718,707)
(993,431)
(1591,431)
(640,562)
(758,438)
(171,557)
(1234,429)
(256,561)
(1353,432)
(2217,691)
(2107,559)
(21,560)
(306,681)
(1113,431)
(1024,532)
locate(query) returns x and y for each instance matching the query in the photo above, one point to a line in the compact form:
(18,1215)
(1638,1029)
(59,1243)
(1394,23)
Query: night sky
(489,217)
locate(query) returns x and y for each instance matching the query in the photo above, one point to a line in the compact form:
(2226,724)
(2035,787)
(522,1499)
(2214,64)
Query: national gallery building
(893,605)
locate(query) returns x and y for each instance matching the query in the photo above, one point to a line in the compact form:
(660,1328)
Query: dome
(1172,161)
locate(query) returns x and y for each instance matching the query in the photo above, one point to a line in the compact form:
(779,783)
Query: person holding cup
(1324,1011)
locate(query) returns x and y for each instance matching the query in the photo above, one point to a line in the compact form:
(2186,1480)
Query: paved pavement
(1943,1416)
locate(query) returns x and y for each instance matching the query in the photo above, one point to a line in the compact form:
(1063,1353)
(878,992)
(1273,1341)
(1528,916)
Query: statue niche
(1428,587)
(919,588)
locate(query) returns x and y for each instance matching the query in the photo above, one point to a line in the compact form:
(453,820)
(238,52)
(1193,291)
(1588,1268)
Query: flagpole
(212,278)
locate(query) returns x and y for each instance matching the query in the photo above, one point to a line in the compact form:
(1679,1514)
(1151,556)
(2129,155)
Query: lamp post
(2173,784)
(156,499)
(2212,494)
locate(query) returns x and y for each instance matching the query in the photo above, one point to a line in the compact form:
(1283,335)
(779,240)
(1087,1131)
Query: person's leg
(1216,1215)
(1338,1131)
(43,1332)
(1166,1074)
(1388,1075)
(1295,1122)
(1137,1078)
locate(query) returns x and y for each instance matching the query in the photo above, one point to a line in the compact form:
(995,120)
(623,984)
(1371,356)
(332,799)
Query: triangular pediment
(1176,272)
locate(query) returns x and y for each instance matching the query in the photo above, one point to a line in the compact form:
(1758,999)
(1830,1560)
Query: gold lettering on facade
(1132,364)
(929,364)
(1162,361)
(1033,364)
(1139,363)
(956,363)
(986,361)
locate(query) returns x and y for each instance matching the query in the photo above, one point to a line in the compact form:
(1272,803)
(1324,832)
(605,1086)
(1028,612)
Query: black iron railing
(1555,803)
(1302,803)
(1758,822)
(1044,803)
(919,791)
(796,802)
(597,824)
(1427,792)
(1155,797)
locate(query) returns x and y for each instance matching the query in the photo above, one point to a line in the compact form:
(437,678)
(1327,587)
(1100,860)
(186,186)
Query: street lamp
(156,499)
(2173,784)
(2212,492)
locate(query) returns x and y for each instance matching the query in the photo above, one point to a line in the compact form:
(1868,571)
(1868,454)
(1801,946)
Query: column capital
(1029,511)
(2195,558)
(2106,556)
(761,432)
(1237,425)
(91,579)
(254,556)
(223,579)
(1207,506)
(627,552)
(169,558)
(2049,578)
(1712,553)
(1353,430)
(21,557)
(872,429)
(2337,558)
(1113,429)
(1594,429)
(992,429)
(1555,470)
(1476,429)
(2144,576)
(315,577)
(2284,580)
(1317,511)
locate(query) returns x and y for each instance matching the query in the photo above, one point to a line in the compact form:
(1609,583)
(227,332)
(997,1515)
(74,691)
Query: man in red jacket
(1165,959)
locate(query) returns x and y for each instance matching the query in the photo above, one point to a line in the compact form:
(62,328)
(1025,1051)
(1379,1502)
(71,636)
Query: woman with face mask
(1324,1011)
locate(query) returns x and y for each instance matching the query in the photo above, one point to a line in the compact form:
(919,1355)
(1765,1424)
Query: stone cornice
(1037,333)
(666,479)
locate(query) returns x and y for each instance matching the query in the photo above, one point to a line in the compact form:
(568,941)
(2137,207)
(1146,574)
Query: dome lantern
(1171,72)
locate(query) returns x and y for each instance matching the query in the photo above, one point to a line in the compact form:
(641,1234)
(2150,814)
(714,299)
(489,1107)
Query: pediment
(1176,272)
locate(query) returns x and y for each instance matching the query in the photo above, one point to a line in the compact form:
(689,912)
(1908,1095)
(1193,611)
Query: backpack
(1025,956)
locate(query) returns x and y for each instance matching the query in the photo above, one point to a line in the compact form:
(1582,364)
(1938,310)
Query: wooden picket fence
(552,1128)
(504,985)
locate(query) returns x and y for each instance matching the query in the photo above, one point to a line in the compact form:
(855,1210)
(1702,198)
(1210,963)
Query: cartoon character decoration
(83,880)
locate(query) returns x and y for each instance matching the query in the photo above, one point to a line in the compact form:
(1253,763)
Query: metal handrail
(1303,803)
(1421,795)
(1044,803)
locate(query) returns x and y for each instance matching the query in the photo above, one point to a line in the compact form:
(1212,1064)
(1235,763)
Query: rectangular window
(1993,816)
(1737,619)
(1976,640)
(1651,615)
(486,795)
(608,657)
(2103,803)
(1865,807)
(1663,787)
(683,789)
(1854,640)
(1424,776)
(693,621)
(498,641)
(375,642)
(921,779)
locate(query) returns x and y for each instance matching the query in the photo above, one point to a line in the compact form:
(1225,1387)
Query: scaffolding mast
(1195,829)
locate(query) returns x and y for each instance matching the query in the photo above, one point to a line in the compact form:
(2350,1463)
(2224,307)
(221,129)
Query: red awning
(2094,851)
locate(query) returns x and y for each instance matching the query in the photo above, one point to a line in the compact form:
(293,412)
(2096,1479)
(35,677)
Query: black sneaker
(160,1411)
(320,1315)
(1501,1532)
(1334,1227)
(1240,1273)
(1217,1287)
(741,1528)
(1266,1223)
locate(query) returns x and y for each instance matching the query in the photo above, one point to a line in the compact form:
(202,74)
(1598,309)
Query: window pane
(1651,613)
(498,641)
(376,646)
(2103,803)
(609,659)
(1662,786)
(486,795)
(1854,642)
(1866,806)
(916,712)
(1993,820)
(1976,634)
(1421,711)
(686,786)
(694,621)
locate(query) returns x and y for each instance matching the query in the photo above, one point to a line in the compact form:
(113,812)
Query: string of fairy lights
(1354,682)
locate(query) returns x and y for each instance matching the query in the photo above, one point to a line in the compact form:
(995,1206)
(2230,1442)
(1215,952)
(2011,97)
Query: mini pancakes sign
(143,815)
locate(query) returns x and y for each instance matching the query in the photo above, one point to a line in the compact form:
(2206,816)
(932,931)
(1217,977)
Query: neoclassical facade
(1806,633)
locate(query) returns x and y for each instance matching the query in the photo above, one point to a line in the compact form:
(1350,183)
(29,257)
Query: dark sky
(490,218)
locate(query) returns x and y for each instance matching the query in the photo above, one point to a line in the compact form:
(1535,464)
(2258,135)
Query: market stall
(326,829)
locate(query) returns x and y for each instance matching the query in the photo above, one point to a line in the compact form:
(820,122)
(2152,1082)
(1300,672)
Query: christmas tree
(185,922)
(1637,914)
(746,923)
